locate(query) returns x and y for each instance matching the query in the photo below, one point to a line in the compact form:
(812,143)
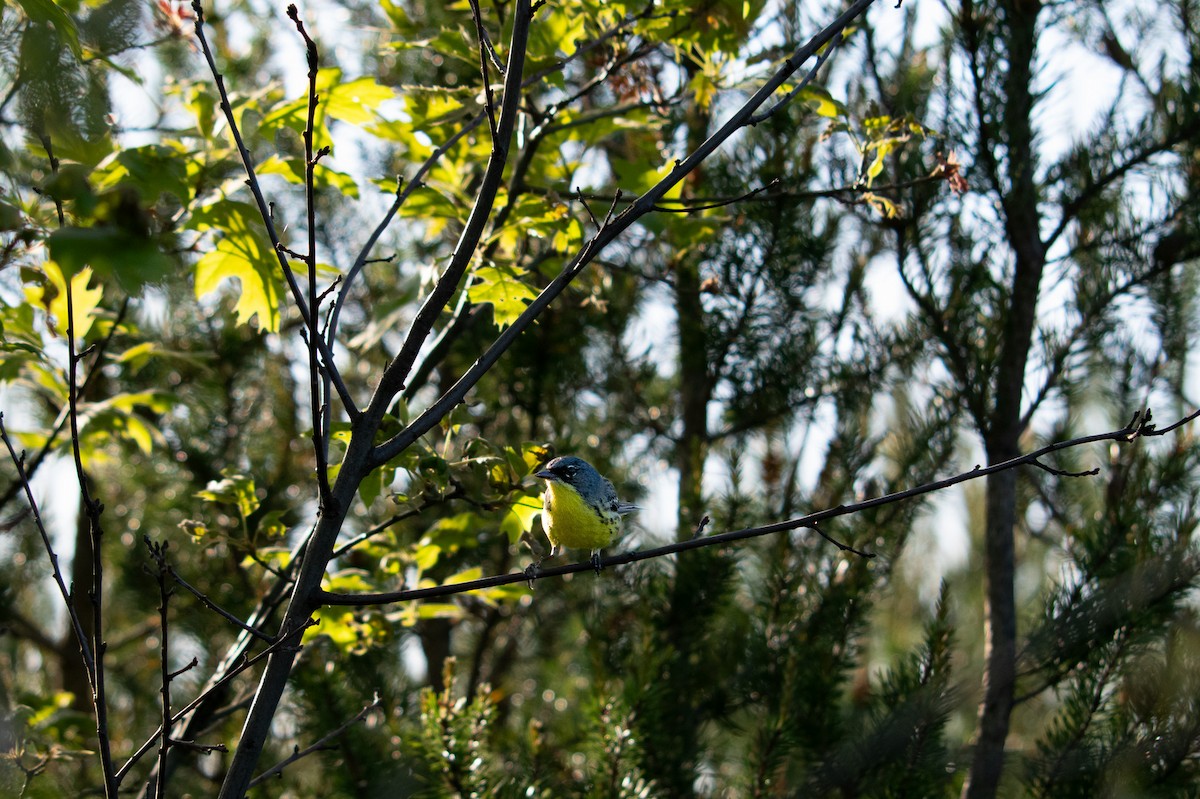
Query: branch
(298,753)
(1138,427)
(213,606)
(604,236)
(319,406)
(397,371)
(799,87)
(92,509)
(225,679)
(159,553)
(484,49)
(309,318)
(402,194)
(396,519)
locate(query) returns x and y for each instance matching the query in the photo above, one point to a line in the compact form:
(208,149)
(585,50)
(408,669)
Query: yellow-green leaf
(244,254)
(507,294)
(53,298)
(822,102)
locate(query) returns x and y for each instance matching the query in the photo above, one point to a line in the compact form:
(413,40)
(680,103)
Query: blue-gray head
(583,477)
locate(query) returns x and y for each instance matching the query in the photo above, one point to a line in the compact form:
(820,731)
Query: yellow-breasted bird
(580,509)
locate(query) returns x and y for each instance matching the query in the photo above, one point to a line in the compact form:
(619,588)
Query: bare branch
(489,96)
(398,370)
(92,509)
(318,402)
(159,553)
(234,671)
(1139,427)
(1064,472)
(213,606)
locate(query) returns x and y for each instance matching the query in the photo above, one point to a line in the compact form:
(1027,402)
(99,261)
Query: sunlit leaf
(822,102)
(243,253)
(292,170)
(53,297)
(507,294)
(357,101)
(233,488)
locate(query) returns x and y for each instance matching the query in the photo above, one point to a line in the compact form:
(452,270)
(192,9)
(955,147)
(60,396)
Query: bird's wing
(610,496)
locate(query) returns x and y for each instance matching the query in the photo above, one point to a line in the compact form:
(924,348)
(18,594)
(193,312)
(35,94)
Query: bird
(580,509)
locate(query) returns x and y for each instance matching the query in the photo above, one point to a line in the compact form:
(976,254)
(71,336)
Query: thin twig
(718,203)
(1064,472)
(298,753)
(310,319)
(234,671)
(213,606)
(159,553)
(489,96)
(92,510)
(843,547)
(799,87)
(319,404)
(403,191)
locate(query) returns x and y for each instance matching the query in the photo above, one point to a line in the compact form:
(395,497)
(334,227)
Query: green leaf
(507,294)
(234,489)
(52,295)
(292,170)
(426,557)
(244,254)
(882,149)
(439,610)
(375,483)
(822,102)
(203,106)
(133,259)
(48,11)
(124,416)
(519,517)
(356,102)
(153,170)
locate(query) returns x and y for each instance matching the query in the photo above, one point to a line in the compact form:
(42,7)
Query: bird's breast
(569,521)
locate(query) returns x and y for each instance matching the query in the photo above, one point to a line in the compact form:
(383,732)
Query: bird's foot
(596,564)
(532,571)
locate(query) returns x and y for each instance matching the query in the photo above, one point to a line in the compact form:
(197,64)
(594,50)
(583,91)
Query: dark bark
(1005,426)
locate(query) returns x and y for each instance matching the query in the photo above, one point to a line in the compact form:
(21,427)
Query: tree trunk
(1002,438)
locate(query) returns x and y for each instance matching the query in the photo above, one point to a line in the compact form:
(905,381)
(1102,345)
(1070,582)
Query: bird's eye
(571,471)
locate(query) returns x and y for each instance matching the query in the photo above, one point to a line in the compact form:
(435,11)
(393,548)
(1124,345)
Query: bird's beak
(546,475)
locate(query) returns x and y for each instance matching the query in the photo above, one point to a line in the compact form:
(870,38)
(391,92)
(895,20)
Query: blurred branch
(323,743)
(60,423)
